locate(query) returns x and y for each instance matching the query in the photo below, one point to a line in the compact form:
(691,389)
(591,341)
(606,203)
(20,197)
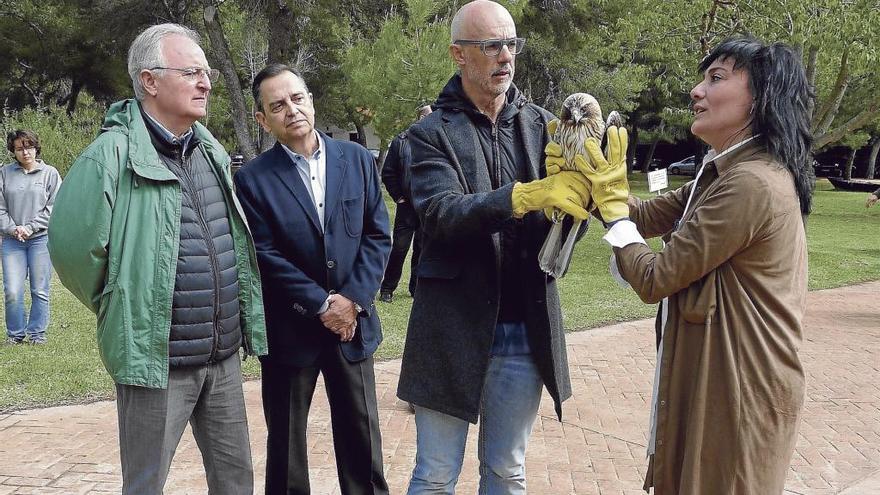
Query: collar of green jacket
(125,117)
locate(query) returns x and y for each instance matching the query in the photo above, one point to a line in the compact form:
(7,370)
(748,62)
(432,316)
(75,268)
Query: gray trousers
(151,422)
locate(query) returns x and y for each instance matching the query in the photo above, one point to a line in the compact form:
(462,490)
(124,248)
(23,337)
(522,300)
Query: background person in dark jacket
(319,223)
(164,259)
(485,333)
(396,177)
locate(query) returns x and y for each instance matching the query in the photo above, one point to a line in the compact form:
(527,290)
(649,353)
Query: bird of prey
(580,119)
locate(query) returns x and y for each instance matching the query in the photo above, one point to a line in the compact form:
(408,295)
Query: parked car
(826,169)
(687,166)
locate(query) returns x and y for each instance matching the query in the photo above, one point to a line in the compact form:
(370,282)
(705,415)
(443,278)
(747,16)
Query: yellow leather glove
(568,191)
(607,174)
(553,160)
(554,163)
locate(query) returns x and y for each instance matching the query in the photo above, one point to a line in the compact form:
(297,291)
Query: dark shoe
(13,341)
(386,297)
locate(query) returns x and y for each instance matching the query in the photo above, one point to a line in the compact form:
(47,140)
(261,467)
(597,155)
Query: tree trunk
(220,52)
(823,119)
(870,112)
(631,151)
(267,140)
(847,170)
(383,152)
(812,57)
(71,99)
(282,32)
(708,23)
(362,134)
(872,160)
(646,162)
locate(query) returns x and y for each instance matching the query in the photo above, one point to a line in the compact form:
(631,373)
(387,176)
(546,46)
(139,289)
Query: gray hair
(146,51)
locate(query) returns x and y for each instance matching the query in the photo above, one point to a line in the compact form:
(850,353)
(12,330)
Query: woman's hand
(607,174)
(21,233)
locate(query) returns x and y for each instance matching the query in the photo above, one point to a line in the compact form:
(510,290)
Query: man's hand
(567,191)
(607,174)
(340,317)
(872,200)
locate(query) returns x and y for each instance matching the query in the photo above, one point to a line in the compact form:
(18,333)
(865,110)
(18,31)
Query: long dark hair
(782,98)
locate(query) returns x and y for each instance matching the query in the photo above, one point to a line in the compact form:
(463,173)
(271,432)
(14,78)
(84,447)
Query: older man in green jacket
(148,234)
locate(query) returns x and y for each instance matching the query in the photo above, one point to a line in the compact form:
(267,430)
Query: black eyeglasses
(193,74)
(492,48)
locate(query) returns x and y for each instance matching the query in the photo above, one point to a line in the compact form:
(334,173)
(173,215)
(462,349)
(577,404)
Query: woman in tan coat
(731,279)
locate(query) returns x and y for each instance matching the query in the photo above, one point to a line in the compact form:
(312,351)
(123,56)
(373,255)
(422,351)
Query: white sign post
(657,180)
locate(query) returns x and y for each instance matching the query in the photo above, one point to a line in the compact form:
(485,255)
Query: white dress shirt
(313,172)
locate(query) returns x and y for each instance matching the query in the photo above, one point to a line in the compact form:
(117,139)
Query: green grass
(843,250)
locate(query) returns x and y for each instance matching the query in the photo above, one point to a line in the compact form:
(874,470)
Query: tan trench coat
(735,271)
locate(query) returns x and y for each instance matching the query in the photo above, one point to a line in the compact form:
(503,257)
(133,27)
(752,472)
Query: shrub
(62,136)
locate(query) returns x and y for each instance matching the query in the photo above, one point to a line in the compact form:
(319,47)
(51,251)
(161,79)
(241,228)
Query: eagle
(580,119)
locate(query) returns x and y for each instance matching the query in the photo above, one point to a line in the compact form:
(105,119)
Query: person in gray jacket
(27,193)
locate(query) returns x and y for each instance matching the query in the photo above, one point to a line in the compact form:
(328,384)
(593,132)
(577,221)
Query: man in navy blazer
(321,232)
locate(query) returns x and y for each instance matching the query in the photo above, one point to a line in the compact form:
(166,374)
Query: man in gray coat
(485,334)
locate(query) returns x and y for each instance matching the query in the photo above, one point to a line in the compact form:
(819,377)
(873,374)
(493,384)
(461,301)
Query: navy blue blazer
(299,265)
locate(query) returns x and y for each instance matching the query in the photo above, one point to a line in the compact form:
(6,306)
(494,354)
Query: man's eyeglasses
(492,48)
(193,74)
(26,149)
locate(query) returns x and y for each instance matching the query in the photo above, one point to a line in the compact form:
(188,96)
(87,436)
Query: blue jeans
(511,395)
(21,260)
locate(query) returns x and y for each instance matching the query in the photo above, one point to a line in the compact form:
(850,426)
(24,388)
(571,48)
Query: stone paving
(598,448)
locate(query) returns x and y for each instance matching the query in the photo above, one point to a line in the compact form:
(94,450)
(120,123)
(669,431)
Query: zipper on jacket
(212,254)
(496,151)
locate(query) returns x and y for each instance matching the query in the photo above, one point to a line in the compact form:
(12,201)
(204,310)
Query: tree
(870,172)
(854,142)
(641,56)
(840,41)
(220,52)
(53,50)
(404,68)
(62,135)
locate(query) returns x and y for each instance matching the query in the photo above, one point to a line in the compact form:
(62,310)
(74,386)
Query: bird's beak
(576,116)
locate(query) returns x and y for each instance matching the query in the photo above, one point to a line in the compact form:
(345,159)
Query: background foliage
(62,136)
(372,62)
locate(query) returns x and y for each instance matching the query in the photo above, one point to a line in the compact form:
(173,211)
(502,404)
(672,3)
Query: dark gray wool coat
(456,305)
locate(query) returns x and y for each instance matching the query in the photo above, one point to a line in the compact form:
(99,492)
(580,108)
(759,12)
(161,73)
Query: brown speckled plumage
(581,118)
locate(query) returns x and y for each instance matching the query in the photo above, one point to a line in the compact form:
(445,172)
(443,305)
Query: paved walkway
(598,449)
